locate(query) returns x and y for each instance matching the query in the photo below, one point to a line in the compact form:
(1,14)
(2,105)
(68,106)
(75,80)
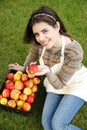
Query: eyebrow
(41,30)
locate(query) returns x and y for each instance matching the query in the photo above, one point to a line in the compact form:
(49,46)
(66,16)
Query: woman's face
(45,34)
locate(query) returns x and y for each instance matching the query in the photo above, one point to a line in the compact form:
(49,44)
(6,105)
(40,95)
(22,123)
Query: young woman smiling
(60,57)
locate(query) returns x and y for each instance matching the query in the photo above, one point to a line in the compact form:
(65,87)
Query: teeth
(45,43)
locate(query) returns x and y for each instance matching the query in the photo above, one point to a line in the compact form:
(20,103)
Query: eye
(45,30)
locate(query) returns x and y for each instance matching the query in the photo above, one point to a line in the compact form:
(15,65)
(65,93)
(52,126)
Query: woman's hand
(42,70)
(15,66)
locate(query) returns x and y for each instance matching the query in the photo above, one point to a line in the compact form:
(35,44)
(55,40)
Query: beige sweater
(73,56)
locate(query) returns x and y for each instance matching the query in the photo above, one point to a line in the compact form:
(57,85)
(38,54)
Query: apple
(28,83)
(31,76)
(3,101)
(10,76)
(12,103)
(1,96)
(5,92)
(20,103)
(23,96)
(26,106)
(14,94)
(9,85)
(7,81)
(36,80)
(19,72)
(27,91)
(17,76)
(32,68)
(19,85)
(24,77)
(30,99)
(34,88)
(33,94)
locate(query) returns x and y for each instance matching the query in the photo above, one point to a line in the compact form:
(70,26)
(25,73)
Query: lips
(46,43)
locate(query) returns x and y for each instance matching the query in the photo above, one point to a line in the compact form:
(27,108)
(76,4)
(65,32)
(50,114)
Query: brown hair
(43,14)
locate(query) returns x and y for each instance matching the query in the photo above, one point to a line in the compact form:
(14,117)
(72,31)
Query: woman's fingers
(15,66)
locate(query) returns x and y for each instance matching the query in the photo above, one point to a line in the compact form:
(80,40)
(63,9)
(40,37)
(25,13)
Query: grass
(14,16)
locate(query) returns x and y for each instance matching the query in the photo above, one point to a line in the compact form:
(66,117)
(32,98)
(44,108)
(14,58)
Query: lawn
(14,15)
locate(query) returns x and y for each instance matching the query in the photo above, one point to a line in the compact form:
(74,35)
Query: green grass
(14,16)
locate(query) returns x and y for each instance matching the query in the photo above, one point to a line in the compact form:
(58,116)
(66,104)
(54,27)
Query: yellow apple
(27,91)
(36,80)
(20,103)
(34,88)
(17,76)
(19,72)
(3,101)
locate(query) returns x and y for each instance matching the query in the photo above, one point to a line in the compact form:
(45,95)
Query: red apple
(12,103)
(24,77)
(10,76)
(3,101)
(14,94)
(19,85)
(23,96)
(34,88)
(9,85)
(27,91)
(32,68)
(30,99)
(36,80)
(5,92)
(20,103)
(28,83)
(26,106)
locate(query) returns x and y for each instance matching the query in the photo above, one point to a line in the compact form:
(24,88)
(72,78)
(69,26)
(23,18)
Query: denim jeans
(59,110)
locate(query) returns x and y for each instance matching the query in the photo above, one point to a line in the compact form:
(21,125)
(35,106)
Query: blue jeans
(59,110)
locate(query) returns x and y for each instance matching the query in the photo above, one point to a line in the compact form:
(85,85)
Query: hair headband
(43,14)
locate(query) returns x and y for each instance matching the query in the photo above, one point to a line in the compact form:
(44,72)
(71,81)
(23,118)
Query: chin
(49,47)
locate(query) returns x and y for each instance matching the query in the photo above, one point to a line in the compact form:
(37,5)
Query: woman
(60,58)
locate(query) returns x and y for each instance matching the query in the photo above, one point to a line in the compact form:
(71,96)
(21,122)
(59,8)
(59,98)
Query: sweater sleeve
(72,63)
(32,56)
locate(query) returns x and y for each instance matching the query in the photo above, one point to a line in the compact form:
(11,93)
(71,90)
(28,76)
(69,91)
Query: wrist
(22,68)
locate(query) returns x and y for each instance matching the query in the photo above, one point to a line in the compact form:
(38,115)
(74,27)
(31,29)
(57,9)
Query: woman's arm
(31,57)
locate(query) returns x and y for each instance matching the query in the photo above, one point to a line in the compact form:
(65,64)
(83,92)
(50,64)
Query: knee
(57,125)
(46,122)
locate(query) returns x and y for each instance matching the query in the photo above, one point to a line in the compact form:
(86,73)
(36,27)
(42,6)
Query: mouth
(45,43)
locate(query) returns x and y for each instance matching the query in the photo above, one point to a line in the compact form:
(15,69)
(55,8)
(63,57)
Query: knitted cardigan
(73,55)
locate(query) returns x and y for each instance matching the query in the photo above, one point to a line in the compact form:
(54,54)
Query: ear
(57,26)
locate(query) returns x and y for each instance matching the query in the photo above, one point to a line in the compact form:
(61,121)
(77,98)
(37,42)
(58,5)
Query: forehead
(40,26)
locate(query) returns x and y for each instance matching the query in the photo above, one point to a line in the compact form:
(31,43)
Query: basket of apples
(19,90)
